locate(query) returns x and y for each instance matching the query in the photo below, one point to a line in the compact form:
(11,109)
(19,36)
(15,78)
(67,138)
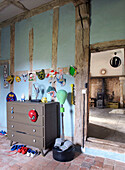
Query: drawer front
(31,130)
(24,108)
(23,118)
(25,139)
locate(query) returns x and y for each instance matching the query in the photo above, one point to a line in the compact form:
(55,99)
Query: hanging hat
(41,74)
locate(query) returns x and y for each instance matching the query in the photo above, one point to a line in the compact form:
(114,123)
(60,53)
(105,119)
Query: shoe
(67,144)
(33,154)
(58,142)
(20,149)
(29,152)
(24,150)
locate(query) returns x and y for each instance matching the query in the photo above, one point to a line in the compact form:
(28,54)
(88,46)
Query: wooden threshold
(106,145)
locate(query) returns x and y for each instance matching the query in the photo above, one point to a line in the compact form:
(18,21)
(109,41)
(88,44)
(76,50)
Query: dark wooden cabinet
(40,134)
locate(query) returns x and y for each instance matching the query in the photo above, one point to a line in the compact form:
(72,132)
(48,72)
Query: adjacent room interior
(107,96)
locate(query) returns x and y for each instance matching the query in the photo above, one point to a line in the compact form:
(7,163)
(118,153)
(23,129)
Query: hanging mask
(24,77)
(10,79)
(73,71)
(61,80)
(18,79)
(41,74)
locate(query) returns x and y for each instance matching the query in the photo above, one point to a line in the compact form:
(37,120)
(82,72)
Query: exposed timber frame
(35,11)
(12,52)
(82,32)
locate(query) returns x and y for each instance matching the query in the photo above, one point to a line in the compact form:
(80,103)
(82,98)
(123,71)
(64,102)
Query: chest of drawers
(40,134)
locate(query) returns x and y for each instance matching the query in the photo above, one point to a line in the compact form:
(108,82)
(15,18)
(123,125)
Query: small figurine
(44,100)
(23,98)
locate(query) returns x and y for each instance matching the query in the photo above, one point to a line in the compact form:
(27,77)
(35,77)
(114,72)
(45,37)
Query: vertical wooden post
(55,37)
(0,42)
(81,62)
(55,40)
(121,91)
(12,52)
(31,43)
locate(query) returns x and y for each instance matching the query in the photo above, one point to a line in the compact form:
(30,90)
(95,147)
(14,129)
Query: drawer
(24,118)
(31,130)
(25,139)
(24,108)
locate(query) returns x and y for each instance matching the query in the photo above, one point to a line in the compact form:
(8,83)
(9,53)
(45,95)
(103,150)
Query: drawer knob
(12,117)
(12,111)
(12,126)
(34,130)
(12,135)
(34,140)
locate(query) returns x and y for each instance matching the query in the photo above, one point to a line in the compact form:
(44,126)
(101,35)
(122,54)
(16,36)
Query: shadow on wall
(71,114)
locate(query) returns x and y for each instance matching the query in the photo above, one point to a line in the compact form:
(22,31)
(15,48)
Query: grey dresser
(40,134)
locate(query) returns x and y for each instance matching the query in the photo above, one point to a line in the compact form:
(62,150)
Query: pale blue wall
(5,55)
(66,38)
(65,58)
(107,20)
(5,43)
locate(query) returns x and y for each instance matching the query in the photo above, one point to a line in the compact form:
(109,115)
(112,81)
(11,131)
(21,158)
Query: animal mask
(41,74)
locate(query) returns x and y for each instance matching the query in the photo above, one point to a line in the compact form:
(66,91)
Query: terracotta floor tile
(80,162)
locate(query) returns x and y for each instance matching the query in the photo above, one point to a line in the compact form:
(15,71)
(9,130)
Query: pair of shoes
(62,145)
(23,150)
(16,147)
(31,153)
(2,132)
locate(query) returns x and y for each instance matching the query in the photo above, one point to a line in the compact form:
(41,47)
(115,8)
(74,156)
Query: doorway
(106,116)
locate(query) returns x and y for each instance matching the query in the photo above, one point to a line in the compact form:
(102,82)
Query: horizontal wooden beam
(107,45)
(4,4)
(2,62)
(35,11)
(18,4)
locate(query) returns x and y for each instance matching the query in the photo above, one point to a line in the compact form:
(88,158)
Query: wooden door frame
(101,143)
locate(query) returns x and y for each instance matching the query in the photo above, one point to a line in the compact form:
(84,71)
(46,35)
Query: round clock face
(103,71)
(115,62)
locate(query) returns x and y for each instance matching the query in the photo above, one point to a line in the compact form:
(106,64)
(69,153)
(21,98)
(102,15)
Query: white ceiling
(11,10)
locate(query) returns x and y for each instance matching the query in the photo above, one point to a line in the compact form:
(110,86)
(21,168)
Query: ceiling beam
(4,4)
(45,7)
(18,4)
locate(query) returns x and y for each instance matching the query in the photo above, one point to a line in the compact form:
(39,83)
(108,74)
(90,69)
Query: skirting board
(105,154)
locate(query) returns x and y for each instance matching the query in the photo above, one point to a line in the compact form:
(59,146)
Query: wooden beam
(4,4)
(0,43)
(35,11)
(55,37)
(2,62)
(31,44)
(107,45)
(81,62)
(18,4)
(12,52)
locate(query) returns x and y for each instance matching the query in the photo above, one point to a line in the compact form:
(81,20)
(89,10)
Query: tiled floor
(112,125)
(80,162)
